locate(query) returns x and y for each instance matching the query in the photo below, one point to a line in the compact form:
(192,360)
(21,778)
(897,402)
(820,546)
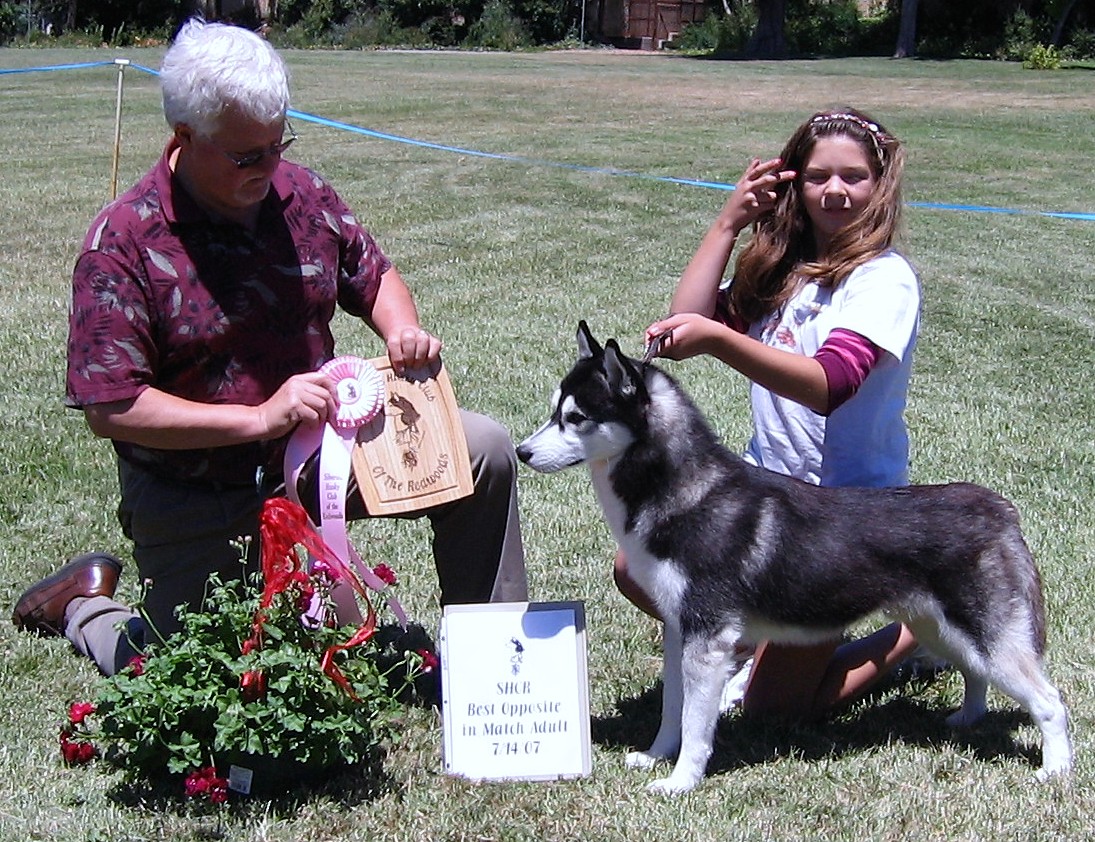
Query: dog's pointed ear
(587,346)
(623,377)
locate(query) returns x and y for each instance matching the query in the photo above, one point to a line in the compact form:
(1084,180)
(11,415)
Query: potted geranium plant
(253,693)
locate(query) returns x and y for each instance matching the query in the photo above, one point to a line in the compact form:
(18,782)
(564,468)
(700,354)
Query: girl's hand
(756,193)
(683,335)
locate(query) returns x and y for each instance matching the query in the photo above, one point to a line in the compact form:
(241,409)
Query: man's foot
(41,608)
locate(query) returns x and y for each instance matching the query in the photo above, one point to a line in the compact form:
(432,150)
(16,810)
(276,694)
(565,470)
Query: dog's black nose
(523,453)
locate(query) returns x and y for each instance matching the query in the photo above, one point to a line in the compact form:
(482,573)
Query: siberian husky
(731,553)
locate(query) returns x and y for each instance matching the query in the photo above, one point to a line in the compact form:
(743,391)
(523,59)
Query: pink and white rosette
(361,391)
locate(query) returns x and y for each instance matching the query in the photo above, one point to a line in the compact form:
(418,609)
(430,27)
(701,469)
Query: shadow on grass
(348,787)
(743,741)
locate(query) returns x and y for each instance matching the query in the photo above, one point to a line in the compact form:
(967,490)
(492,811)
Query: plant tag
(239,779)
(515,691)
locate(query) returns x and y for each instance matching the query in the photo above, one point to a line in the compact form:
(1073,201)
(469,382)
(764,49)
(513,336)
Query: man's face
(212,169)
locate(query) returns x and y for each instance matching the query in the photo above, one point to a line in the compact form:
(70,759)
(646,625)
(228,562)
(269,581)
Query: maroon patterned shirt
(162,296)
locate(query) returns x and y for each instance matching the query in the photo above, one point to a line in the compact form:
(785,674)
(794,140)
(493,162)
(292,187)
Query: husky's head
(597,411)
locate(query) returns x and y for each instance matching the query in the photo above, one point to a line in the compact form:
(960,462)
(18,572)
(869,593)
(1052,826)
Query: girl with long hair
(821,314)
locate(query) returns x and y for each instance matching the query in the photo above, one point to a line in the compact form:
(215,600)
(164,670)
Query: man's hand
(411,347)
(307,399)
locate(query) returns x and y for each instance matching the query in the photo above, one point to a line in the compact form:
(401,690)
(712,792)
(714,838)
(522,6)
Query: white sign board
(515,691)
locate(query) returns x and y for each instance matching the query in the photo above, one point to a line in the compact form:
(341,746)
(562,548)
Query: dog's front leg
(668,739)
(703,668)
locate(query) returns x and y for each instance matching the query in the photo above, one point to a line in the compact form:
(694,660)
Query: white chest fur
(660,579)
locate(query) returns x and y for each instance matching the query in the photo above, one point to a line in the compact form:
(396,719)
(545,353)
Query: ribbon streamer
(360,390)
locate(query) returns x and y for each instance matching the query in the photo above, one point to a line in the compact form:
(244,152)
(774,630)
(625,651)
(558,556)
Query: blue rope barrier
(535,162)
(8,70)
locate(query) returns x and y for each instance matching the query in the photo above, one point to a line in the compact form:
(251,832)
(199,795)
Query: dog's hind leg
(1015,669)
(953,646)
(668,739)
(1022,676)
(974,703)
(703,668)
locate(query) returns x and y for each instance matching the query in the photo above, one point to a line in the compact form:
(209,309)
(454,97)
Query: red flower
(136,665)
(429,660)
(205,782)
(253,685)
(75,752)
(323,570)
(195,784)
(79,711)
(385,574)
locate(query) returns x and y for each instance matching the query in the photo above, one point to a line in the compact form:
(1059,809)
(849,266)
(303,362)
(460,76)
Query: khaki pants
(182,533)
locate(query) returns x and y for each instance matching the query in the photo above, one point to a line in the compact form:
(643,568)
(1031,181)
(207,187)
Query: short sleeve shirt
(165,297)
(864,442)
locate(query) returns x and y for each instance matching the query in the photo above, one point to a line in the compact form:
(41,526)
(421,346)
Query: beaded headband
(878,137)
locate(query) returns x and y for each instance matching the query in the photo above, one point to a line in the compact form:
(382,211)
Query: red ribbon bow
(284,526)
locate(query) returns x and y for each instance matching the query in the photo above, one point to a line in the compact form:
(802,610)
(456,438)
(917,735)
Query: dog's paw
(965,718)
(641,760)
(1060,772)
(673,785)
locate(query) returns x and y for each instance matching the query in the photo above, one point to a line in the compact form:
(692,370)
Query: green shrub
(1081,45)
(1021,35)
(825,28)
(12,20)
(547,21)
(377,29)
(498,28)
(703,36)
(719,33)
(1042,58)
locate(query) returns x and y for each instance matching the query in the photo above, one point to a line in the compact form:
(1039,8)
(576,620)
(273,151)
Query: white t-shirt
(864,441)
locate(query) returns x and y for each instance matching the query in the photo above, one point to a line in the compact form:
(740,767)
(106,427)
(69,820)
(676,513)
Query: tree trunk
(906,34)
(70,15)
(767,40)
(1062,22)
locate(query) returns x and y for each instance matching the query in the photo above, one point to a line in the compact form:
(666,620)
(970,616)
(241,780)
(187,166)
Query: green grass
(505,257)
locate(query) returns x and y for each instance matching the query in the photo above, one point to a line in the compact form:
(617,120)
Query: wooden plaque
(413,454)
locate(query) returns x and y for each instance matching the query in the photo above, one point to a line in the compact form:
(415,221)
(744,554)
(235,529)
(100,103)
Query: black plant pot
(263,776)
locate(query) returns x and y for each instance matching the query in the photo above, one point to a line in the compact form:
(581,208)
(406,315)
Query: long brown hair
(782,250)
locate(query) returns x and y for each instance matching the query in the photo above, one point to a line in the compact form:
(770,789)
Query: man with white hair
(201,310)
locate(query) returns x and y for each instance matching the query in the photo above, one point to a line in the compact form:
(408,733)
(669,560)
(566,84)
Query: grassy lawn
(505,256)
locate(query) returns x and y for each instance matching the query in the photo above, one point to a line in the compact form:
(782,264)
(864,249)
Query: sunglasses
(252,159)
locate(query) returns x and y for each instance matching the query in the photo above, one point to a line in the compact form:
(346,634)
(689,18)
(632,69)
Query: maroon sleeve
(111,351)
(847,358)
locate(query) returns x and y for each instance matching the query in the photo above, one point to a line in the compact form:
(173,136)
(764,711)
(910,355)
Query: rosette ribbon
(360,390)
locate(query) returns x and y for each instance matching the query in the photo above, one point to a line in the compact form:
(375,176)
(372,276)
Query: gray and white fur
(731,553)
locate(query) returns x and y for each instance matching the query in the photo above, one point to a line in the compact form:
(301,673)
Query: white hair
(212,67)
